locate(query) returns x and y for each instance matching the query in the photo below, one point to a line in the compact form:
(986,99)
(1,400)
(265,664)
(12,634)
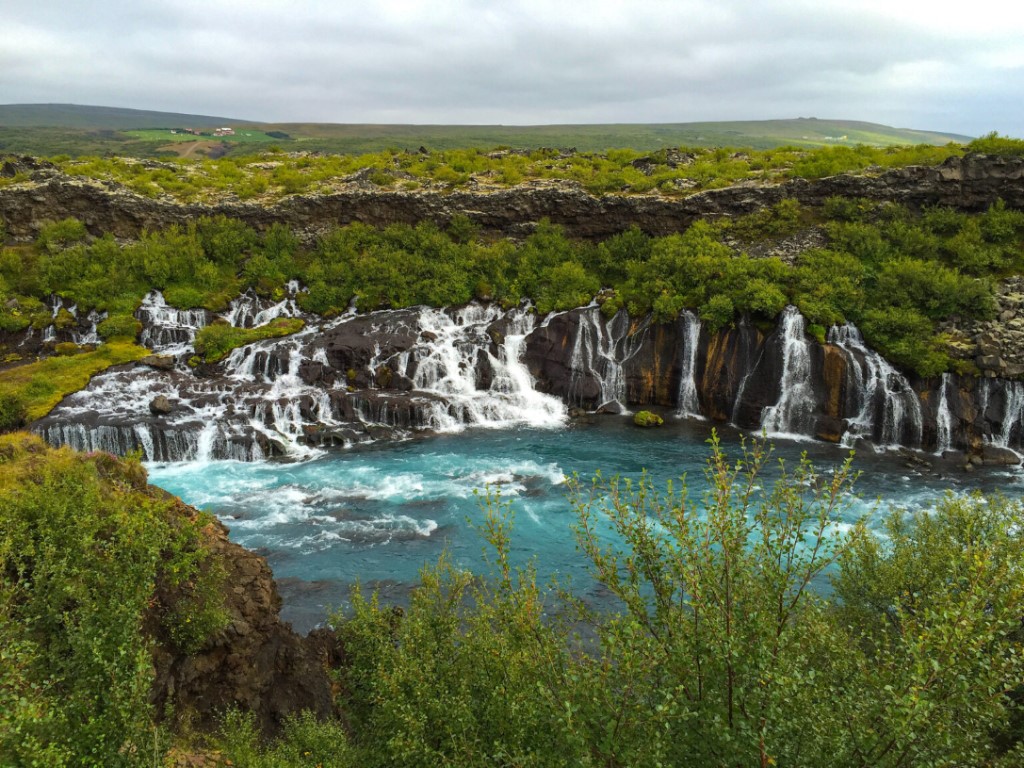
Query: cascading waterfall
(445,363)
(453,368)
(688,405)
(793,414)
(1013,414)
(167,329)
(600,350)
(943,418)
(250,311)
(888,409)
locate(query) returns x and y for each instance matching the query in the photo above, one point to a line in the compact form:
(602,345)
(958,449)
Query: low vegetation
(83,545)
(271,175)
(719,646)
(31,390)
(215,342)
(896,274)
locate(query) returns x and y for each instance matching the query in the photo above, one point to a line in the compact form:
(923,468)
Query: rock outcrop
(969,183)
(257,663)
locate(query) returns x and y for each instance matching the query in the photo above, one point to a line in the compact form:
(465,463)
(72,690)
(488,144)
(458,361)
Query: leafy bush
(215,341)
(119,325)
(722,651)
(60,234)
(82,544)
(12,411)
(305,742)
(994,144)
(717,312)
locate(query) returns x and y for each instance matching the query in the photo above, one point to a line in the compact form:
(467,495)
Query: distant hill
(48,129)
(99,118)
(759,134)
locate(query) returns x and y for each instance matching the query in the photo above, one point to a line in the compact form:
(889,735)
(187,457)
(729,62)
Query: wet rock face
(257,663)
(970,183)
(391,374)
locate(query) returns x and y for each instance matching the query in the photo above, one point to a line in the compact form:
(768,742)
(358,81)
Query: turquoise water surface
(377,514)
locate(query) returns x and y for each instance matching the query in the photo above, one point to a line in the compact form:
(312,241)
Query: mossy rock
(647,419)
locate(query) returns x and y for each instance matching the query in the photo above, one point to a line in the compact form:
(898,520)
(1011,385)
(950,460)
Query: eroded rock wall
(970,183)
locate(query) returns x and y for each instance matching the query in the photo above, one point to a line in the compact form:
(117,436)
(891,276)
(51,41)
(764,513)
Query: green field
(241,136)
(54,129)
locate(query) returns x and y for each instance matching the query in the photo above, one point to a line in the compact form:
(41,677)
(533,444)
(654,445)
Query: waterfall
(166,329)
(1013,414)
(943,418)
(687,403)
(888,409)
(600,350)
(250,311)
(793,414)
(445,362)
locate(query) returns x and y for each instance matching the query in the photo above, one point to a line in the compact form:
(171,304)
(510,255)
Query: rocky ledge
(969,183)
(257,663)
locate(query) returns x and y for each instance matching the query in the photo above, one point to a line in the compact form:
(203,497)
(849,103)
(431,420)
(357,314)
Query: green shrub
(994,144)
(58,235)
(717,312)
(215,341)
(304,742)
(82,545)
(12,411)
(119,325)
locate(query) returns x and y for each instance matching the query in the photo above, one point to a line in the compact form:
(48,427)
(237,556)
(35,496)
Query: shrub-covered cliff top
(674,172)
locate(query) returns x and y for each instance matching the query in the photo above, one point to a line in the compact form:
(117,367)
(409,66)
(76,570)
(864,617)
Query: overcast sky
(934,65)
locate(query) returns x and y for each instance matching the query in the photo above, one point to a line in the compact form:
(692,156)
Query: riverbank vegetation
(757,624)
(30,390)
(897,274)
(83,545)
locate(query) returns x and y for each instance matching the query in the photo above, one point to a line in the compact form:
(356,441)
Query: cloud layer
(935,65)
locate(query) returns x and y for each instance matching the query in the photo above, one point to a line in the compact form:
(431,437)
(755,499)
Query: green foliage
(474,674)
(647,419)
(119,326)
(272,174)
(724,650)
(905,337)
(44,383)
(783,218)
(60,234)
(305,742)
(82,546)
(214,342)
(935,609)
(889,270)
(994,144)
(566,286)
(717,312)
(12,411)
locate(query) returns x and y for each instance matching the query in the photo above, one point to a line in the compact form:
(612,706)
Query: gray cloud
(918,64)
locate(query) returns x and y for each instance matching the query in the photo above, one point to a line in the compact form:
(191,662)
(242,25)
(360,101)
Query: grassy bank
(29,391)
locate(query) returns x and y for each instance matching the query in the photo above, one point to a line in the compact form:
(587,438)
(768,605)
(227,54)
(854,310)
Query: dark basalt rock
(160,362)
(969,183)
(257,663)
(160,406)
